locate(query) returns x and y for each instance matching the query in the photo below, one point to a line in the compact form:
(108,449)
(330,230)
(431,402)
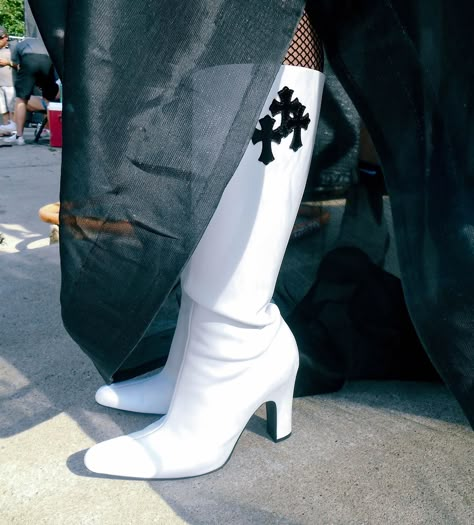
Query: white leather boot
(238,351)
(151,393)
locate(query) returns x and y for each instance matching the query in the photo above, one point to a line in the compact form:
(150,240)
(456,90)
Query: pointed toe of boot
(124,457)
(107,396)
(146,396)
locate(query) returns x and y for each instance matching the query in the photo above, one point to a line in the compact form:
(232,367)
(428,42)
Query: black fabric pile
(354,324)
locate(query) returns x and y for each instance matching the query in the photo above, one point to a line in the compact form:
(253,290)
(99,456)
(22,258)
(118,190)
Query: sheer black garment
(160,103)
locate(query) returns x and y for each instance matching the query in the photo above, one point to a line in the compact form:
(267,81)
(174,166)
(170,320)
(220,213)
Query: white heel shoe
(151,394)
(238,352)
(208,412)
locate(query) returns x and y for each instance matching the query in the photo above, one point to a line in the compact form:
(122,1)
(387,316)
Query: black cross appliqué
(296,124)
(293,121)
(286,107)
(266,136)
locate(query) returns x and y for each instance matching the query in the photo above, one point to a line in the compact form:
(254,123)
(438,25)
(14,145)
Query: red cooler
(55,119)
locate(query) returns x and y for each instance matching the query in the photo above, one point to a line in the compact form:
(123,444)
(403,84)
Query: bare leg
(20,116)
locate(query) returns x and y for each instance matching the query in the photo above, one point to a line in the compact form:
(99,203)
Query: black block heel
(272,420)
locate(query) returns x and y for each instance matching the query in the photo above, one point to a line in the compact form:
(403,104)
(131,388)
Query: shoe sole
(271,420)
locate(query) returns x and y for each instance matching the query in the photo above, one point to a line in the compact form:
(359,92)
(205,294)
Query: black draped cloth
(160,101)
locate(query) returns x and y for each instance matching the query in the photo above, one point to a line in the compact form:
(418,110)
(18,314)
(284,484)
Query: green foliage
(12,16)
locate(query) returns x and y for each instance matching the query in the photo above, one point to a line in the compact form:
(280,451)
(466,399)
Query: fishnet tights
(306,49)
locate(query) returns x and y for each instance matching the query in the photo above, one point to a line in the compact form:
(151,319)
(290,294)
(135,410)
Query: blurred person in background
(7,90)
(34,69)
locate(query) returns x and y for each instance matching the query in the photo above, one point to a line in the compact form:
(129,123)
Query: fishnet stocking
(306,49)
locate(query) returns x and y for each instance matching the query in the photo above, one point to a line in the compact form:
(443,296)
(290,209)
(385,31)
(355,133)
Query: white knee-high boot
(238,352)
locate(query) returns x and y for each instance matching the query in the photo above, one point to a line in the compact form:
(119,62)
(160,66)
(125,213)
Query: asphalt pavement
(374,453)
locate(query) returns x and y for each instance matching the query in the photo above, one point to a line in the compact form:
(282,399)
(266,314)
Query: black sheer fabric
(408,68)
(158,103)
(52,16)
(147,91)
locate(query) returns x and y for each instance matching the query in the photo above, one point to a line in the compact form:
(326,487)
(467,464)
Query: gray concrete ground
(373,453)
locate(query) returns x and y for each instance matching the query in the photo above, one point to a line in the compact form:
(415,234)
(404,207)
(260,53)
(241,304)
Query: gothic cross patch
(285,107)
(296,124)
(266,136)
(293,120)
